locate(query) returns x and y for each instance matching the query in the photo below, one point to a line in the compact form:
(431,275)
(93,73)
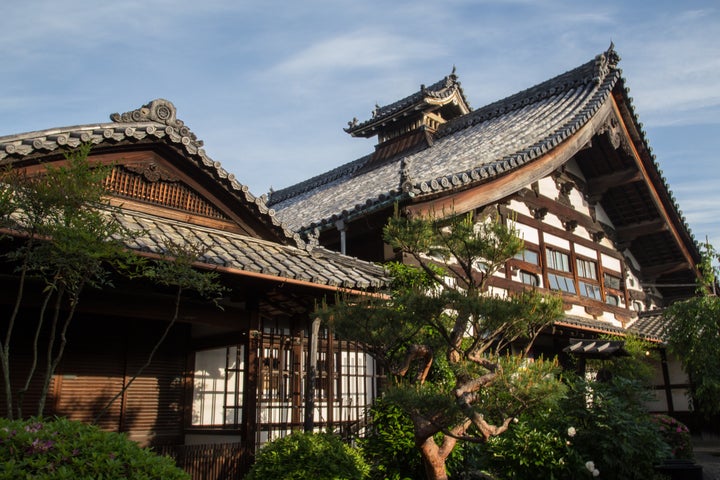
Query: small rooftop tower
(413,121)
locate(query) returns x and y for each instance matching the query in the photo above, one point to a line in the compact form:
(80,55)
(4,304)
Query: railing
(209,462)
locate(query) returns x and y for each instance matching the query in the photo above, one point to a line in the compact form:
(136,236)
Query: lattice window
(152,184)
(218,386)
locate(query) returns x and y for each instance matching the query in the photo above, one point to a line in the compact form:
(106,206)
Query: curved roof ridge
(596,70)
(529,153)
(277,196)
(156,119)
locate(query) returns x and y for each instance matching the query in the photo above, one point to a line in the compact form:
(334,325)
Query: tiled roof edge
(653,158)
(596,70)
(155,119)
(510,162)
(277,196)
(371,204)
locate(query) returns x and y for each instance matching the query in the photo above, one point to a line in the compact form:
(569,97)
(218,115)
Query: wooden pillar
(296,375)
(250,389)
(309,423)
(666,381)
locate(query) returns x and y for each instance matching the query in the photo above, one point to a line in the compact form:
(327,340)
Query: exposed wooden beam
(629,233)
(597,186)
(651,273)
(655,195)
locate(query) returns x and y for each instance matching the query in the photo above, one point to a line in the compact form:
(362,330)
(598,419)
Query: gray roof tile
(250,254)
(469,149)
(158,120)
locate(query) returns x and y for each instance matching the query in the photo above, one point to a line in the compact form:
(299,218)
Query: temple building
(567,160)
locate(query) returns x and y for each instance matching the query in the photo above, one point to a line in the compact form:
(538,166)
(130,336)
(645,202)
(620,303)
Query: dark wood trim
(502,186)
(250,389)
(565,235)
(597,186)
(666,380)
(652,189)
(622,314)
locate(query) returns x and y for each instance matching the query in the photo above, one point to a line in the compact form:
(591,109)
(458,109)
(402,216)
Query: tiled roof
(468,150)
(441,89)
(153,122)
(596,349)
(590,324)
(648,325)
(240,253)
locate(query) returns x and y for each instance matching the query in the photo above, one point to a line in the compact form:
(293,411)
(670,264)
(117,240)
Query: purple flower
(35,427)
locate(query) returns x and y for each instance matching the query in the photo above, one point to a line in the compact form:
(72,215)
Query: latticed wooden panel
(151,184)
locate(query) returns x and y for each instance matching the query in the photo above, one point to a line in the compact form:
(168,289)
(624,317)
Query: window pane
(558,260)
(529,278)
(586,269)
(529,256)
(612,282)
(612,300)
(559,282)
(217,386)
(589,290)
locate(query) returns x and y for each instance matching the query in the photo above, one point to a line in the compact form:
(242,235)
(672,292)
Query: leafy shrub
(676,435)
(63,449)
(597,430)
(614,430)
(389,446)
(308,456)
(534,448)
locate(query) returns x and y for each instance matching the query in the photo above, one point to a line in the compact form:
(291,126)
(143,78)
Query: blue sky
(269,85)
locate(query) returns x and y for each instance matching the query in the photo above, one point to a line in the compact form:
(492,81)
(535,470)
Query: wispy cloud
(356,51)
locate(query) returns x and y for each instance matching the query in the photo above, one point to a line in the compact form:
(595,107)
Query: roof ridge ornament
(158,110)
(605,63)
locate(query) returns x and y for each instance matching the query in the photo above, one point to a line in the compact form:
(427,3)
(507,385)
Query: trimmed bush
(676,435)
(62,449)
(308,456)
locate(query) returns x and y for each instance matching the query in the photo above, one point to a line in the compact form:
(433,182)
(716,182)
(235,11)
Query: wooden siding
(100,358)
(224,461)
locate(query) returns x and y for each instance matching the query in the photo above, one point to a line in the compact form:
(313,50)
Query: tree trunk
(433,460)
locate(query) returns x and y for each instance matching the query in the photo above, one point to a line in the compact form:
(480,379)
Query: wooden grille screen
(159,188)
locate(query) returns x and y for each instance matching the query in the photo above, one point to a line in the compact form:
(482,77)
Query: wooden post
(250,390)
(311,376)
(666,381)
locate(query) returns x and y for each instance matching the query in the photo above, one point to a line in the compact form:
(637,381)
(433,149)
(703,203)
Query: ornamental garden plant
(44,449)
(308,456)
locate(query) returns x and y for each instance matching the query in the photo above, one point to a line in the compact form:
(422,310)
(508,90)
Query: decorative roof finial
(605,62)
(158,110)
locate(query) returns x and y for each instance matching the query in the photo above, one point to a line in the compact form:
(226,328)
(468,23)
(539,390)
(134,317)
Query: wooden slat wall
(222,461)
(153,405)
(100,357)
(87,381)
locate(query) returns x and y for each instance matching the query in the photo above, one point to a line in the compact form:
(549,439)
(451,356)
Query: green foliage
(308,456)
(676,435)
(692,330)
(389,445)
(444,337)
(62,449)
(535,448)
(694,337)
(63,239)
(602,423)
(614,429)
(522,386)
